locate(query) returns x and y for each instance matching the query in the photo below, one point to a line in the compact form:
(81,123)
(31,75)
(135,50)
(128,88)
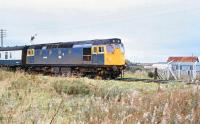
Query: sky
(151,30)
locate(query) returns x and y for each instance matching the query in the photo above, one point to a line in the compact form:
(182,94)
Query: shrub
(71,88)
(150,74)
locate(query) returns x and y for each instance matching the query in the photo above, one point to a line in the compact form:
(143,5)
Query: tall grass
(42,99)
(71,88)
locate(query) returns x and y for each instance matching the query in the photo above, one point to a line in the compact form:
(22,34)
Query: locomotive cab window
(110,48)
(30,52)
(101,49)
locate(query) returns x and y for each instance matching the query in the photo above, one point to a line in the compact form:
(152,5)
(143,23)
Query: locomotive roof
(70,44)
(66,44)
(11,48)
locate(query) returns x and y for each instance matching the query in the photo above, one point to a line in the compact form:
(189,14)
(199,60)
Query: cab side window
(101,49)
(94,50)
(31,52)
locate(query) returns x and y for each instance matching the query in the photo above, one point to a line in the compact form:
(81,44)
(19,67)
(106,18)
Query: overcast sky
(151,30)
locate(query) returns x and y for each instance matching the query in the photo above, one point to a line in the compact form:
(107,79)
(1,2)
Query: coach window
(101,49)
(10,55)
(6,55)
(0,55)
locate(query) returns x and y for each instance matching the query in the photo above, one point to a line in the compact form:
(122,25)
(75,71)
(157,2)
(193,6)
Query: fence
(179,70)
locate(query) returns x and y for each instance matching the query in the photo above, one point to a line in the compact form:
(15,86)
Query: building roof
(183,59)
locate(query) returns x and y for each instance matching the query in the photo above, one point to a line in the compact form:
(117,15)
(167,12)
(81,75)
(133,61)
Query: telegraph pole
(3,34)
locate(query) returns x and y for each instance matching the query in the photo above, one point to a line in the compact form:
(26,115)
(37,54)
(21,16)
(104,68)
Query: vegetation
(42,99)
(134,70)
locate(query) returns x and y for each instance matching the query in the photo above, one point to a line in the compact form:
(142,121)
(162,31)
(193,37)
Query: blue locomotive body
(64,54)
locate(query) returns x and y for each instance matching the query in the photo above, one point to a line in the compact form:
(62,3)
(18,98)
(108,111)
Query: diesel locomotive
(102,57)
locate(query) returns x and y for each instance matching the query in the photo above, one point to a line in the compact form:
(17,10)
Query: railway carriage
(104,58)
(12,56)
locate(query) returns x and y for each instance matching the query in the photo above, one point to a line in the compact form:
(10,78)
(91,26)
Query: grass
(139,74)
(42,99)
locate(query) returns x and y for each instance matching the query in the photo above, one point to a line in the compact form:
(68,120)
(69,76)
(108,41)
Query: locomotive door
(87,55)
(44,54)
(94,54)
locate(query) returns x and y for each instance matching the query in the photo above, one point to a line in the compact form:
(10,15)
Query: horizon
(151,31)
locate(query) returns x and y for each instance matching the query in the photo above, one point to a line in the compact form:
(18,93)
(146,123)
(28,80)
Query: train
(104,58)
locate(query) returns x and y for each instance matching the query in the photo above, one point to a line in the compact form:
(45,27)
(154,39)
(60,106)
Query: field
(42,99)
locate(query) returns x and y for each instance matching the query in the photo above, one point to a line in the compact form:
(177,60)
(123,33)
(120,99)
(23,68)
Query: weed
(37,99)
(71,88)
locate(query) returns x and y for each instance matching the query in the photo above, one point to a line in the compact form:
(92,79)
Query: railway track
(144,80)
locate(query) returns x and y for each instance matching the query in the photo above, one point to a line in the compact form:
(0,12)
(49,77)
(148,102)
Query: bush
(71,88)
(150,74)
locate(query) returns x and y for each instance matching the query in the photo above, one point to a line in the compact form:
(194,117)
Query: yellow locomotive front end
(111,57)
(115,55)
